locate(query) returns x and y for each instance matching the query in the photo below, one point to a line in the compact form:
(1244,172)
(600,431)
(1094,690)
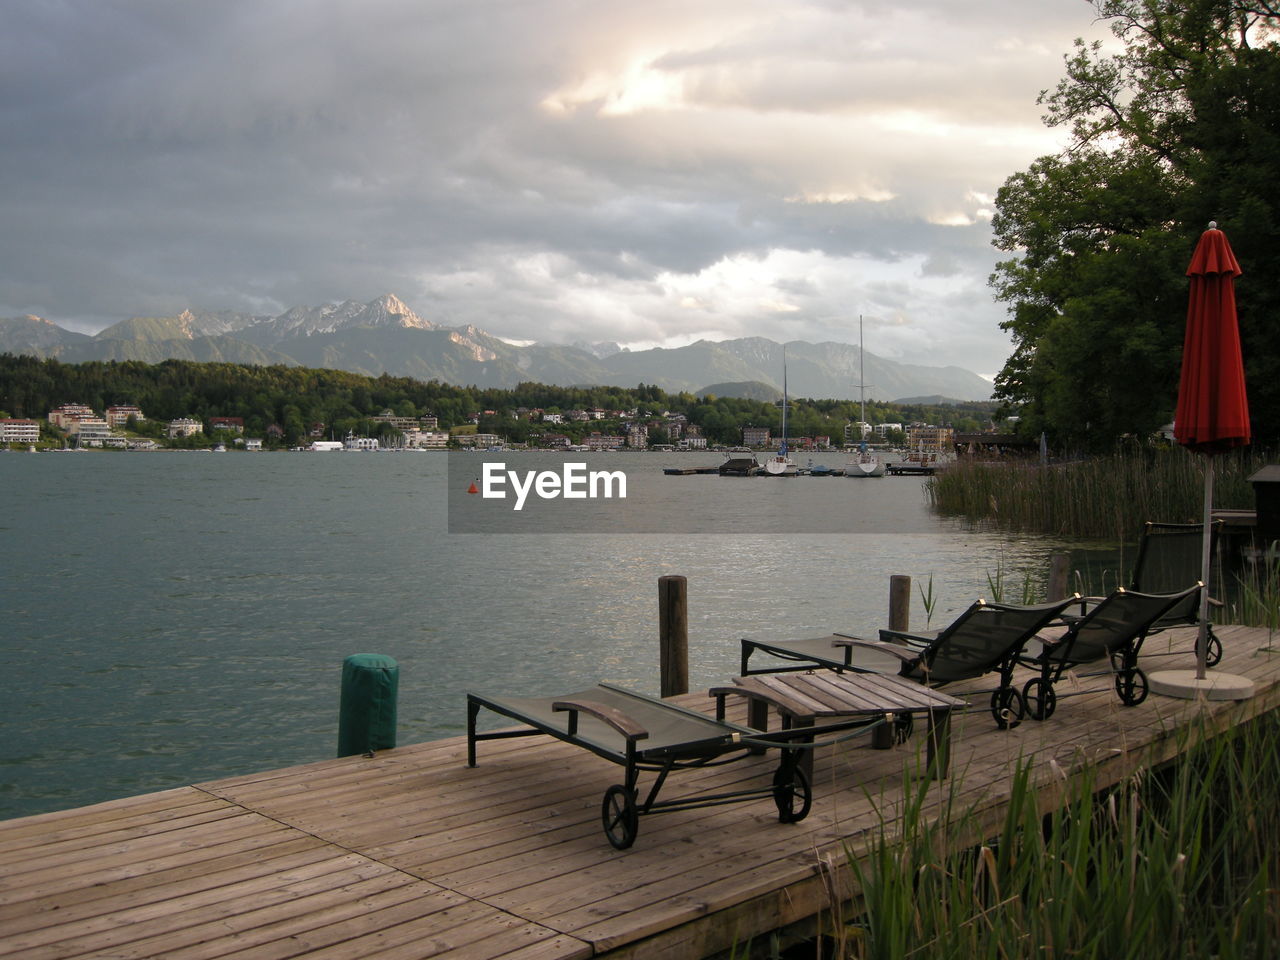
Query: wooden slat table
(804,698)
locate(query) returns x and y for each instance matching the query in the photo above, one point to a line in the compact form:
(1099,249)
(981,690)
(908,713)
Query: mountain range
(385,336)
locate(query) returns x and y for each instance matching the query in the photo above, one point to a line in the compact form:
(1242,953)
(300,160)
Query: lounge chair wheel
(1007,707)
(1039,698)
(1131,686)
(620,816)
(1213,651)
(791,792)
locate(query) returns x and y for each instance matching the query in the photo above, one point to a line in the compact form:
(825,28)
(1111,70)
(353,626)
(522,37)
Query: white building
(856,431)
(426,439)
(596,441)
(89,428)
(184,427)
(19,431)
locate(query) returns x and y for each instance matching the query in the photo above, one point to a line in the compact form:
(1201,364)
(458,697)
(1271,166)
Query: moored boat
(780,464)
(864,463)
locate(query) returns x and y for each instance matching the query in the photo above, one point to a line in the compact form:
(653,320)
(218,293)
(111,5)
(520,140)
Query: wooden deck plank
(100,899)
(411,853)
(342,926)
(172,919)
(39,824)
(72,842)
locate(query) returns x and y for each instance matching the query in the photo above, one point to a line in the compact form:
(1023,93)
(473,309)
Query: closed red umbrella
(1213,410)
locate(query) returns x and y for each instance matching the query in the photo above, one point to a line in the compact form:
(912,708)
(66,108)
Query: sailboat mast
(862,384)
(784,399)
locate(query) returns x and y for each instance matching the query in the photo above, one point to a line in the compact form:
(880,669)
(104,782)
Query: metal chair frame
(717,742)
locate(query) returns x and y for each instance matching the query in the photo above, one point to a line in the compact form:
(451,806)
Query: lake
(176,617)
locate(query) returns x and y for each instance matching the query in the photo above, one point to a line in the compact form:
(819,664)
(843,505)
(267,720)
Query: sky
(557,170)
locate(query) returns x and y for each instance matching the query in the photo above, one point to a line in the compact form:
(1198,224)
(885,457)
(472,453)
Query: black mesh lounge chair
(1109,629)
(643,733)
(986,638)
(1170,560)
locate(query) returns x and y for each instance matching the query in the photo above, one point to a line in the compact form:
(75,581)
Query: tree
(1180,127)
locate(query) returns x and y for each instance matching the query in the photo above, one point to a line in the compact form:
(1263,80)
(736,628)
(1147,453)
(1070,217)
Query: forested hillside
(295,398)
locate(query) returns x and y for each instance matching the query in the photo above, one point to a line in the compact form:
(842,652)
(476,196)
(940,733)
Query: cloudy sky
(558,170)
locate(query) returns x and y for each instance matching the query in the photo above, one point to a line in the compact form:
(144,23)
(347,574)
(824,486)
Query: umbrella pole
(1202,642)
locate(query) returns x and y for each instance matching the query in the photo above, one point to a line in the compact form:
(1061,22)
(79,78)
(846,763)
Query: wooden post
(1058,576)
(899,619)
(673,634)
(900,603)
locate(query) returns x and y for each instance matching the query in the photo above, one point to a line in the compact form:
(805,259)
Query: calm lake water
(176,617)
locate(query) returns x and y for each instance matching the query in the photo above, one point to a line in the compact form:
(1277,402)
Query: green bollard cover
(367,713)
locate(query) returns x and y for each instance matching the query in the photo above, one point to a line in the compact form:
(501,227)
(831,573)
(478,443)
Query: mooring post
(899,619)
(900,603)
(367,707)
(673,634)
(1057,588)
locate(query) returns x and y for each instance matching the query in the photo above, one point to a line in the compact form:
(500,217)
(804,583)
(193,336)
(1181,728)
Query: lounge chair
(1170,559)
(985,638)
(642,733)
(1107,629)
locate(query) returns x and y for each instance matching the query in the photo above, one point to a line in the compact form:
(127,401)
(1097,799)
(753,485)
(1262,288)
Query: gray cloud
(544,169)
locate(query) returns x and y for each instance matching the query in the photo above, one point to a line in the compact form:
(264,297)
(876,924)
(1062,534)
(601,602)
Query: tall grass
(1258,593)
(1179,862)
(1105,498)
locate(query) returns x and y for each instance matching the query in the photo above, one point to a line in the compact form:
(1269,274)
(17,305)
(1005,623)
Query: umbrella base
(1214,686)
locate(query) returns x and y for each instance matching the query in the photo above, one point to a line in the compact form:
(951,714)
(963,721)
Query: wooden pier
(412,854)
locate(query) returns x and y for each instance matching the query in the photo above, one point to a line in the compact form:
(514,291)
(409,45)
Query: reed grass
(1257,594)
(1104,498)
(1177,862)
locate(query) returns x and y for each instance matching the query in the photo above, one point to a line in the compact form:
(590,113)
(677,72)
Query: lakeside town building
(597,441)
(407,424)
(14,430)
(481,440)
(922,438)
(184,427)
(62,417)
(91,431)
(426,439)
(118,416)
